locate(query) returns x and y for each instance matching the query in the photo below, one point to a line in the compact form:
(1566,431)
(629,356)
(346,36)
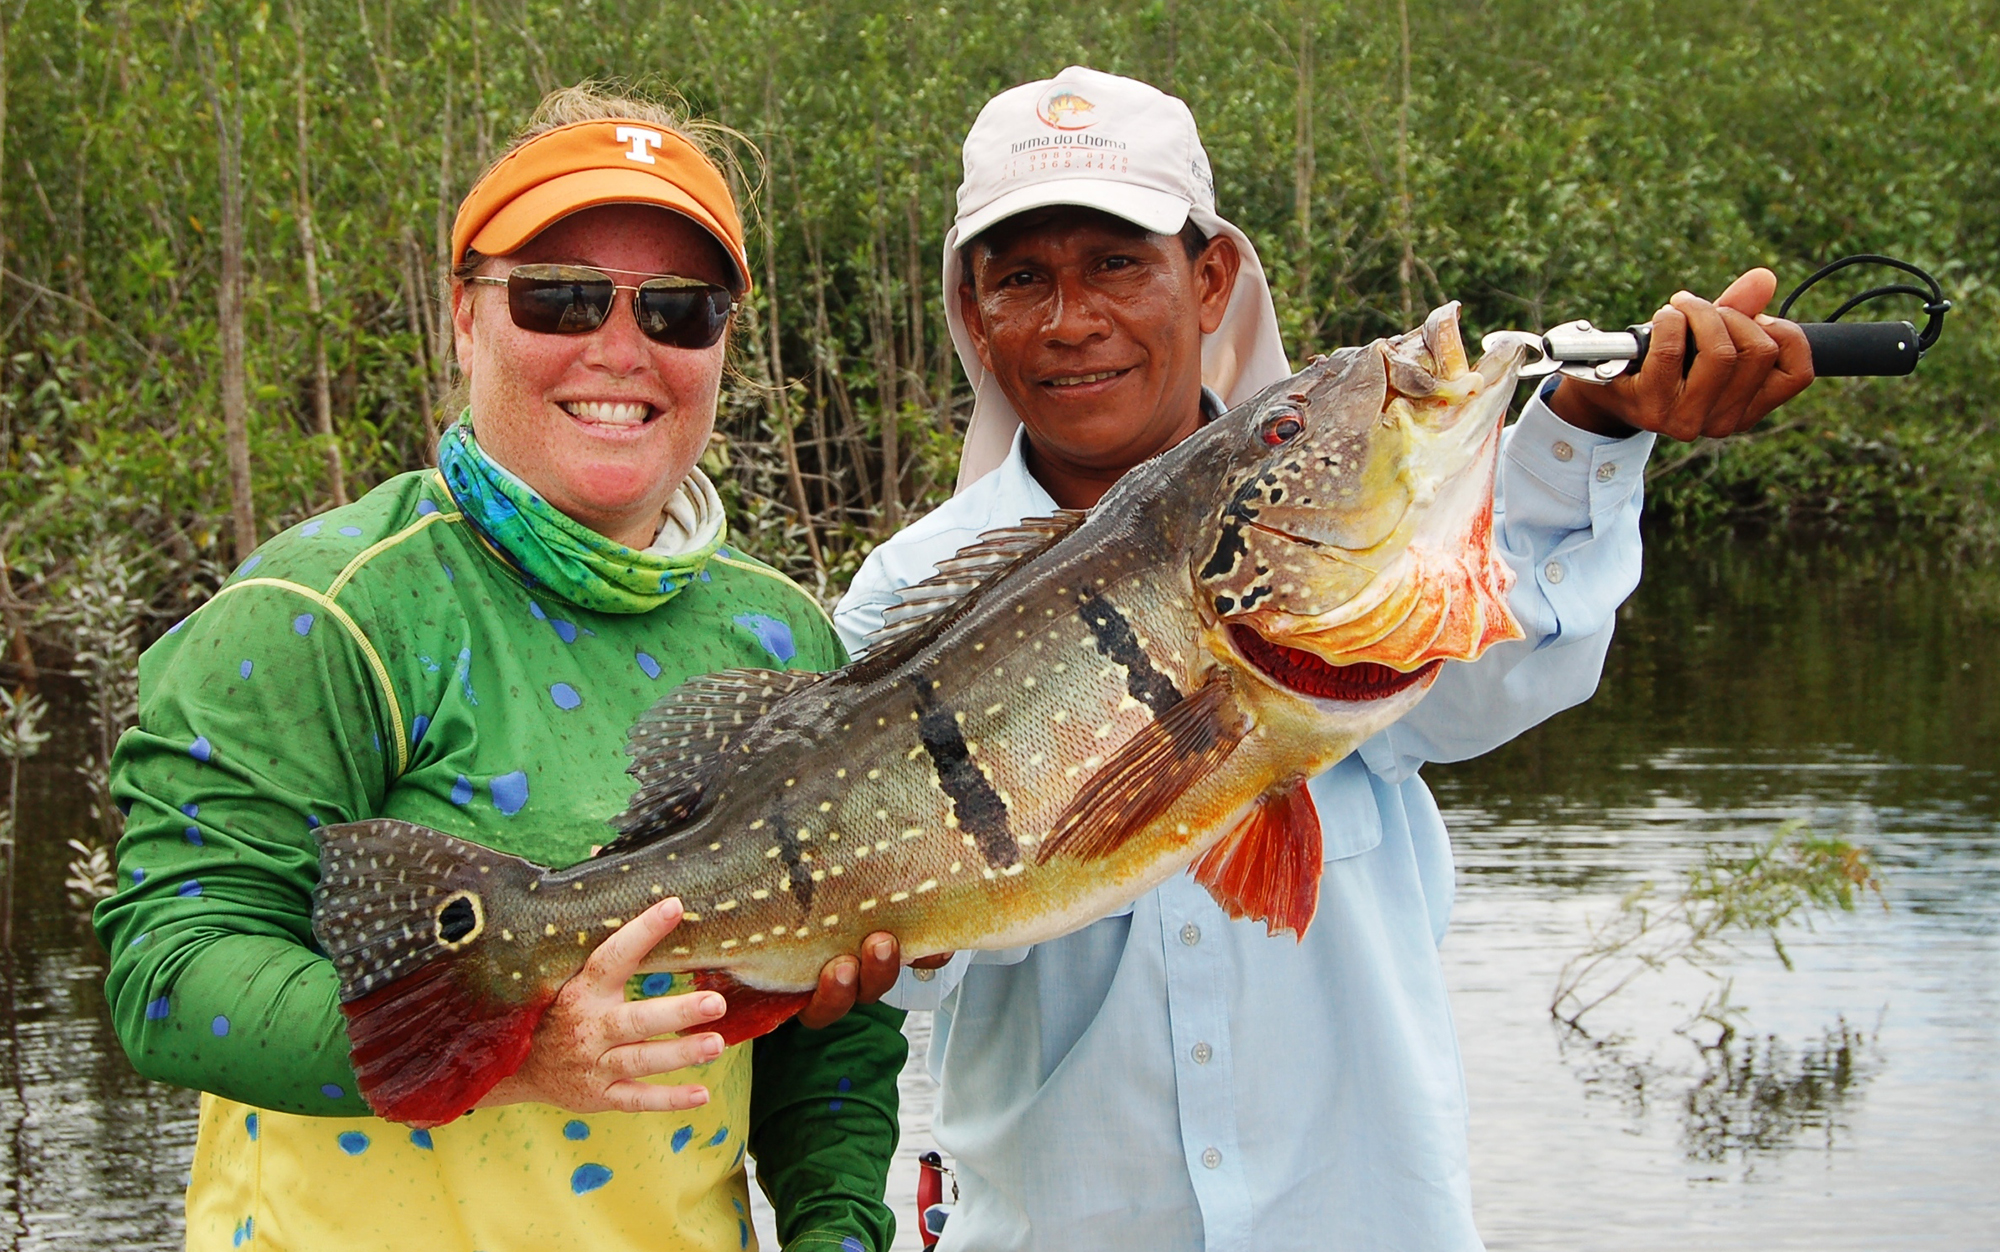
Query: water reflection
(1756,1096)
(1749,685)
(1739,1097)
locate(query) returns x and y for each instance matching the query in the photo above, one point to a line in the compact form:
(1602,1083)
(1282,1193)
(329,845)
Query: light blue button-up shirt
(1170,1080)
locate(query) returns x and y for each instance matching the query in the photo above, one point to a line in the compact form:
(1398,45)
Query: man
(1168,1078)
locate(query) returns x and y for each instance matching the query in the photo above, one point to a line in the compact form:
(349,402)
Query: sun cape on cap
(1121,146)
(580,166)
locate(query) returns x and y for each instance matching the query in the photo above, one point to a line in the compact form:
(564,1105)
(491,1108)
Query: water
(1852,1109)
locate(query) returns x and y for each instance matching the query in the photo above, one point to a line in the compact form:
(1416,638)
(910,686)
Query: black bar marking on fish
(1117,642)
(1229,545)
(980,811)
(1229,549)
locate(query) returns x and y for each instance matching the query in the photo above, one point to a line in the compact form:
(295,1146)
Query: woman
(465,648)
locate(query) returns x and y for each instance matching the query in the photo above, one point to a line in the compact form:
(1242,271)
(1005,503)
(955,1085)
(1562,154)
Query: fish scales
(961,749)
(1115,696)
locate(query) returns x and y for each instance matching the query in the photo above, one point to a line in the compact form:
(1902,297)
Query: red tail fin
(1268,867)
(751,1012)
(426,1050)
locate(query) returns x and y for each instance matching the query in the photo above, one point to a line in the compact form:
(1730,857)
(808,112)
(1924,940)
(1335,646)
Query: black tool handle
(1839,349)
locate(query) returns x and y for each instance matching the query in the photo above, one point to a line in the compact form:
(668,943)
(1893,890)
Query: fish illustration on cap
(1065,110)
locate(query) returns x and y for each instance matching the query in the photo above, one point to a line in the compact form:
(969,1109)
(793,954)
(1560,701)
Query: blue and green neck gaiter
(573,561)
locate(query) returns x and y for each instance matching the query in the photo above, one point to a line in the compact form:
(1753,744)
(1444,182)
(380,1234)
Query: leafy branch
(1728,896)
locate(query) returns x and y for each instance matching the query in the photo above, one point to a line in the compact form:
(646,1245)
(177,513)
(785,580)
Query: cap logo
(642,141)
(1065,110)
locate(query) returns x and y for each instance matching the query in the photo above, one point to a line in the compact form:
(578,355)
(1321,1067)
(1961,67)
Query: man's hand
(845,982)
(593,1045)
(1746,364)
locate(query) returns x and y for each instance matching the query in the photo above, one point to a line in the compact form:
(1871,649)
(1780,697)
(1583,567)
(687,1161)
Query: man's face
(1092,326)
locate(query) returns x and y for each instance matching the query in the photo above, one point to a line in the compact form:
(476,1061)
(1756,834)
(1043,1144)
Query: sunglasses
(575,300)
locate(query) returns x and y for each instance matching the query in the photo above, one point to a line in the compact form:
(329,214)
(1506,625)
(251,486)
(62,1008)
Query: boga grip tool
(1839,349)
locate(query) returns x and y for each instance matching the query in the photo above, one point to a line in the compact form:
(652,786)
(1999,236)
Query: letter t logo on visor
(641,140)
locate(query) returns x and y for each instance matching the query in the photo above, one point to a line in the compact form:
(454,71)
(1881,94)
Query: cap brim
(541,206)
(1158,211)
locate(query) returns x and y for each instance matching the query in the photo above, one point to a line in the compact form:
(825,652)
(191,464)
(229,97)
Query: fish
(1066,714)
(1060,108)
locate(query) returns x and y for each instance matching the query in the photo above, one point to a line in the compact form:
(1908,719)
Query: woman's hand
(845,981)
(593,1045)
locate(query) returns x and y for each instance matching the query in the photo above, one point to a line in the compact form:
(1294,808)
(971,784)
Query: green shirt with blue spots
(383,660)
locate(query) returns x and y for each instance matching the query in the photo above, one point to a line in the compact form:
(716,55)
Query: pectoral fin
(1151,771)
(1268,868)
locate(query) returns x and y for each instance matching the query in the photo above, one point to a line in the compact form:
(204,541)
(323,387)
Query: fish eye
(1283,428)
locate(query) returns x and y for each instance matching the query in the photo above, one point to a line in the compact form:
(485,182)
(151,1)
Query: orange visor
(591,163)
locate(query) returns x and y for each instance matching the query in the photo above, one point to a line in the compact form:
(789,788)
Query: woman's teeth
(608,413)
(1076,380)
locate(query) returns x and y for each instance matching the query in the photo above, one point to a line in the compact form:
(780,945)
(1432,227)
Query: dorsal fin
(679,745)
(925,605)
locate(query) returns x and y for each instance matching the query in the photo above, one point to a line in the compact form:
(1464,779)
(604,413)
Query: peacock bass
(1067,713)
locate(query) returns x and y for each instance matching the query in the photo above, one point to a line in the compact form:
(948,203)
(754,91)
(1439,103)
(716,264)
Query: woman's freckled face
(539,402)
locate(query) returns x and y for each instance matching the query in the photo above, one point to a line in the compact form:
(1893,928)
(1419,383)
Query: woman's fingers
(632,1020)
(580,1058)
(661,1056)
(618,957)
(630,1096)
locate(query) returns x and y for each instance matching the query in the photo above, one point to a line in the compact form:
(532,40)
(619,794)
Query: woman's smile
(605,425)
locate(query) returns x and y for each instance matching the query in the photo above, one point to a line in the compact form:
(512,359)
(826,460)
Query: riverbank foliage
(1538,161)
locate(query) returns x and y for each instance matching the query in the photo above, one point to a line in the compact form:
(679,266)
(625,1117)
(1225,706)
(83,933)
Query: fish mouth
(1297,670)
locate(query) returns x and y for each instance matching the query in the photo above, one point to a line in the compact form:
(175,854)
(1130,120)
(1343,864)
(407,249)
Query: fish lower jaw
(1308,674)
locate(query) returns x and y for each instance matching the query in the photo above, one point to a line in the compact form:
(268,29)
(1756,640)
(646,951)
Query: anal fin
(1268,868)
(752,1012)
(1153,768)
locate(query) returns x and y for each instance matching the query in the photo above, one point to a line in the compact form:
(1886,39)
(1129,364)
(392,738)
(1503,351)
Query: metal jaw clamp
(1574,349)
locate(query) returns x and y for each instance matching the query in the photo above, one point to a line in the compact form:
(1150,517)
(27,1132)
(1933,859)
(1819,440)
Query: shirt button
(1211,1158)
(1190,934)
(924,975)
(1553,571)
(1563,451)
(1606,472)
(1202,1052)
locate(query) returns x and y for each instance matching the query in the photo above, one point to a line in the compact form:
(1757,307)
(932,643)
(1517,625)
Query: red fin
(751,1012)
(1268,868)
(426,1050)
(1145,776)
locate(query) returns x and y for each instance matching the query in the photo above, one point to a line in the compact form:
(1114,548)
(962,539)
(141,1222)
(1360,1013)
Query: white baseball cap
(1100,141)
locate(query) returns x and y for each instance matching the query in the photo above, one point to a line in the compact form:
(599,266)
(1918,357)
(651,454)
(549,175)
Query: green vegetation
(1784,880)
(301,161)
